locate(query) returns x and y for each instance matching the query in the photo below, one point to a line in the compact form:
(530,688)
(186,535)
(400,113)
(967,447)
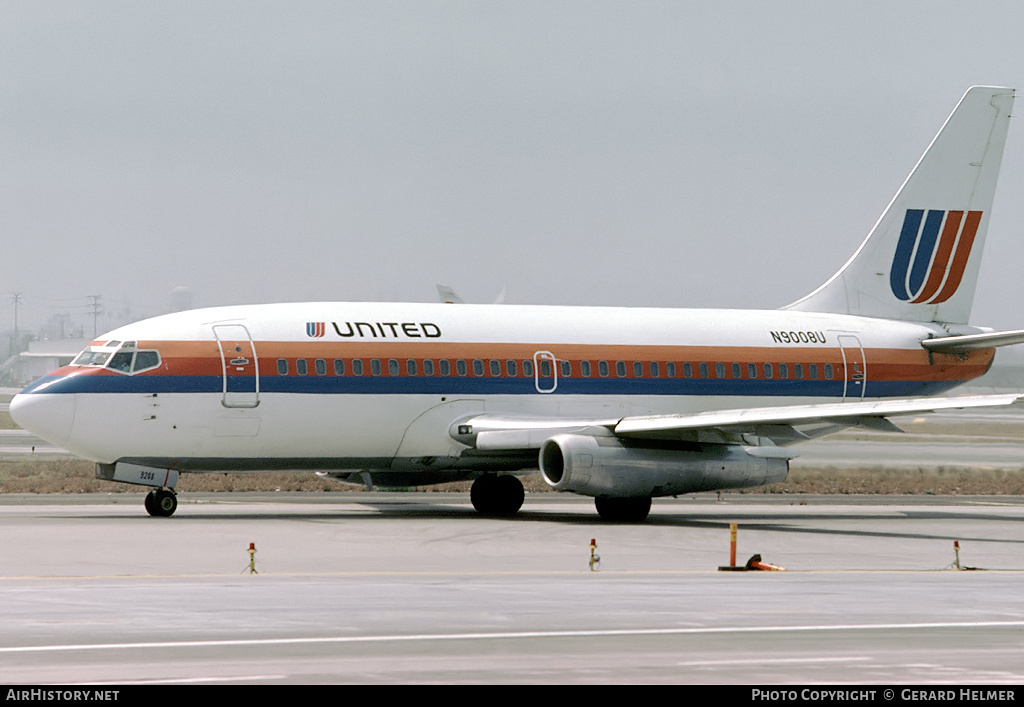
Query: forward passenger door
(241,370)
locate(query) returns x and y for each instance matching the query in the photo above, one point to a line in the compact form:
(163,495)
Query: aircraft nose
(48,416)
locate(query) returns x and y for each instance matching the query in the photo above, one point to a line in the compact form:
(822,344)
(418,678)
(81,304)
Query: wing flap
(782,425)
(797,417)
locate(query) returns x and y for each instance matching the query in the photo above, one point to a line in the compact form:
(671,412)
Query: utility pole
(95,309)
(16,299)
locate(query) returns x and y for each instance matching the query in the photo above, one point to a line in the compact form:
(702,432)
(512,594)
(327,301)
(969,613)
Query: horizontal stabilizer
(972,342)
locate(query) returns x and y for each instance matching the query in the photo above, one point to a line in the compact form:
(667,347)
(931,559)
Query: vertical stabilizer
(920,261)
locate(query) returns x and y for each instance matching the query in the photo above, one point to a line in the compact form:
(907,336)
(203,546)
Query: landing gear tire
(623,510)
(497,495)
(161,503)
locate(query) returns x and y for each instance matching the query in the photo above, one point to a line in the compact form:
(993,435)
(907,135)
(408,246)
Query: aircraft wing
(782,425)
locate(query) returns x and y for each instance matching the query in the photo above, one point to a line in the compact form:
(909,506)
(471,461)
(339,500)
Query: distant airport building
(41,358)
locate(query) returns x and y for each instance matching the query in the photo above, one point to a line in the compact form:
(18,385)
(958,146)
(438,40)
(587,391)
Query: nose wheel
(161,503)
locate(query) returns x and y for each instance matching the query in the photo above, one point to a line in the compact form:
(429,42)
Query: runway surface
(417,588)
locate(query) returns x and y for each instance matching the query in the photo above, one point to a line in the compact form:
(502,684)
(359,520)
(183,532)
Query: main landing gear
(497,495)
(161,503)
(623,510)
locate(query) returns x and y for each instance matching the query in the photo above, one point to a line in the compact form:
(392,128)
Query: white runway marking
(513,635)
(186,681)
(773,661)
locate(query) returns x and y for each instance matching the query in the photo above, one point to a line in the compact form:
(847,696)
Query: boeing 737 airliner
(619,404)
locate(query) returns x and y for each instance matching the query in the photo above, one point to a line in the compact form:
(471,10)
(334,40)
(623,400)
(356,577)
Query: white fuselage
(353,386)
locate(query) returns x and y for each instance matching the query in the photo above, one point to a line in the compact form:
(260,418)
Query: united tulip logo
(932,254)
(316,330)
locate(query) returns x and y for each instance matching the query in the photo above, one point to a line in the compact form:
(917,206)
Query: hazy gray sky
(637,153)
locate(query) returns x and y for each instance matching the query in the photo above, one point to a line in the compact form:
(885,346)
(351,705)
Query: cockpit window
(91,358)
(145,360)
(125,360)
(121,361)
(128,361)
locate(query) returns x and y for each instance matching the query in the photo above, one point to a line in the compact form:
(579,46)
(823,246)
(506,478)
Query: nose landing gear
(161,503)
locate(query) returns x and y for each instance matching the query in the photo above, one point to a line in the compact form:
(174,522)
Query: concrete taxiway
(418,588)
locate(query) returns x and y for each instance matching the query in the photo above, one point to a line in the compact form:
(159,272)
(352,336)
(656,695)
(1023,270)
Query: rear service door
(240,366)
(856,367)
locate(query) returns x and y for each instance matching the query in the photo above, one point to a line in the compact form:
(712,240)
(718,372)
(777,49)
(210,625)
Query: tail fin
(920,261)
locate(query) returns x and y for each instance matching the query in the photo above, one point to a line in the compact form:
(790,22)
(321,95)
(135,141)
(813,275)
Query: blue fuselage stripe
(483,386)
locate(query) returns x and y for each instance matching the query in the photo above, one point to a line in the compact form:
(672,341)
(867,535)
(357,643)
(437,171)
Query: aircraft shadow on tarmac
(773,521)
(782,527)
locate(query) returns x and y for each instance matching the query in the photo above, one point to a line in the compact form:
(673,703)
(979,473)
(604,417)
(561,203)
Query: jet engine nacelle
(608,466)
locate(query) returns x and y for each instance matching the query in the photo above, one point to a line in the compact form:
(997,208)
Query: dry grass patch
(77,476)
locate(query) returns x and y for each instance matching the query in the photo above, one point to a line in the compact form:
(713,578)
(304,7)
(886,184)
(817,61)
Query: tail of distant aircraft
(447,294)
(920,261)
